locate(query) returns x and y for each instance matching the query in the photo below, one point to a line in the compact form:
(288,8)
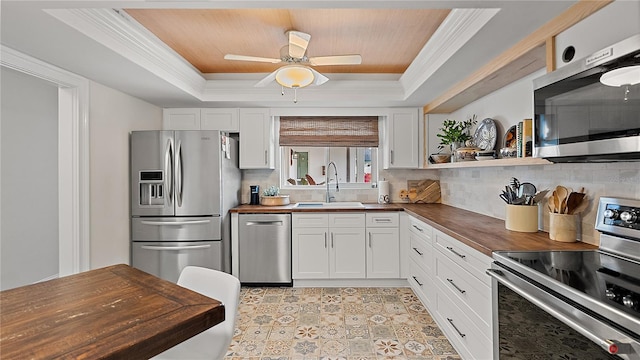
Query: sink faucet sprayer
(329,197)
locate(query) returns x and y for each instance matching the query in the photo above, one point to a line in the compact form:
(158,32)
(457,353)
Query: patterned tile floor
(335,323)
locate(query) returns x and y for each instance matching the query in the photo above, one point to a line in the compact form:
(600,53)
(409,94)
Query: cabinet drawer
(421,252)
(310,220)
(347,220)
(422,284)
(465,289)
(382,219)
(421,229)
(468,258)
(470,341)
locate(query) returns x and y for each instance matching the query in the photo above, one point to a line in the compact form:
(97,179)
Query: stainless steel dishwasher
(264,242)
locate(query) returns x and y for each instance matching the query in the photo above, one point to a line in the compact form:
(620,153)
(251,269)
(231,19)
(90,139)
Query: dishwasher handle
(175,248)
(264,223)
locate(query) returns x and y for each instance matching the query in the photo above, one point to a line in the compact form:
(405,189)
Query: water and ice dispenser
(152,191)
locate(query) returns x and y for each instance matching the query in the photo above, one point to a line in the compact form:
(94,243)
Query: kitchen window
(309,143)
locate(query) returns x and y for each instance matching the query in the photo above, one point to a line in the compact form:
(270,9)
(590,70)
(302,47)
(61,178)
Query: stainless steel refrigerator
(183,184)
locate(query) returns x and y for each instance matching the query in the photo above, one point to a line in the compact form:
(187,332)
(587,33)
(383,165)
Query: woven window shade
(352,131)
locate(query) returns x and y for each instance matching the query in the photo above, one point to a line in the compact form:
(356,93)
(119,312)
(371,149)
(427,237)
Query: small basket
(277,200)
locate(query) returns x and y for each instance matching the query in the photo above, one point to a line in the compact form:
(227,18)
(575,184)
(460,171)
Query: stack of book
(524,138)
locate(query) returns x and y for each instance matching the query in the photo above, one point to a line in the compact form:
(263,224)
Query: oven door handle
(610,346)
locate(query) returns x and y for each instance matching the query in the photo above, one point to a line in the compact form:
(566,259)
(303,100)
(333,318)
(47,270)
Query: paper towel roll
(383,192)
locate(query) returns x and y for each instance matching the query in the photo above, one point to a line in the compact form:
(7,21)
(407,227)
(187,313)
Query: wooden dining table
(116,312)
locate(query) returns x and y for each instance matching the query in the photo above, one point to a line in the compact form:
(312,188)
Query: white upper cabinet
(181,119)
(402,139)
(257,139)
(223,119)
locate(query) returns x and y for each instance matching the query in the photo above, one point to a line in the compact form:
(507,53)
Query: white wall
(112,116)
(29,225)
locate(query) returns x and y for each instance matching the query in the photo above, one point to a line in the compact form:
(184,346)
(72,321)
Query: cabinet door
(181,119)
(383,253)
(310,253)
(403,135)
(347,259)
(256,139)
(223,119)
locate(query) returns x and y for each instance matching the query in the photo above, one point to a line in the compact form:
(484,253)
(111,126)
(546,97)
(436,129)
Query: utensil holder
(522,218)
(563,227)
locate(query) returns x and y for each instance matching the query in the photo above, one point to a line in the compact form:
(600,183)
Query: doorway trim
(73,157)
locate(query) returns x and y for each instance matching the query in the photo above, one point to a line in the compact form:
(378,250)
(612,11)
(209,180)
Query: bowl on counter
(508,152)
(440,158)
(466,153)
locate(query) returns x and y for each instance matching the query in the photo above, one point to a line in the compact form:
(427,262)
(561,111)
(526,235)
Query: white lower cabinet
(383,245)
(449,278)
(328,245)
(341,245)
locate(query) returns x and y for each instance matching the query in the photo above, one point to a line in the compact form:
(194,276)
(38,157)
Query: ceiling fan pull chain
(282,93)
(295,95)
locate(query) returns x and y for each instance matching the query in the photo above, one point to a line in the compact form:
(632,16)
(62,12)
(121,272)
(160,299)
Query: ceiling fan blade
(336,60)
(251,58)
(266,80)
(298,42)
(319,79)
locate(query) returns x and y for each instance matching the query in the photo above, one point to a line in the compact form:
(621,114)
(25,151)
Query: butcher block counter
(483,233)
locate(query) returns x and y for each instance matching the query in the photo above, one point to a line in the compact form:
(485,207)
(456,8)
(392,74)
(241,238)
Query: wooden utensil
(562,194)
(582,206)
(573,201)
(555,202)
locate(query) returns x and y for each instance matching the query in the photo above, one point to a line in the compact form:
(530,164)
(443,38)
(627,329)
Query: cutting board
(424,191)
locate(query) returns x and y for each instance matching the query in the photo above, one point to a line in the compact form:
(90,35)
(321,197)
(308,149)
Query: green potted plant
(453,134)
(271,197)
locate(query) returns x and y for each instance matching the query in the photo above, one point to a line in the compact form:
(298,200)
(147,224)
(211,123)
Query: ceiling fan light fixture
(295,76)
(629,75)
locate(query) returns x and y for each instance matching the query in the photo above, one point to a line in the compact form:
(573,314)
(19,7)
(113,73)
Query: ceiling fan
(297,72)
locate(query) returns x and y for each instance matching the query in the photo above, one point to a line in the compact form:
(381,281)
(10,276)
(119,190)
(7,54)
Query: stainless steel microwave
(590,110)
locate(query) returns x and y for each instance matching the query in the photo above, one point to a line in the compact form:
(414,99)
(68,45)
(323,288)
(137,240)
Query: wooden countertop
(248,209)
(116,312)
(483,233)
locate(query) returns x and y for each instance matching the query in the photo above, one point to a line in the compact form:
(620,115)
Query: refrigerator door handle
(174,223)
(174,248)
(168,170)
(179,173)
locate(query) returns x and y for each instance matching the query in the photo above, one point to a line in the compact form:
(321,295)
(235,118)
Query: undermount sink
(330,205)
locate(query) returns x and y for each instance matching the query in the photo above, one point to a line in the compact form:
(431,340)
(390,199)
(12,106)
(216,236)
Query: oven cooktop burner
(598,275)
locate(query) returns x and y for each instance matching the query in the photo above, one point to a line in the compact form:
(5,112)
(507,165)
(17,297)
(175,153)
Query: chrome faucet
(329,197)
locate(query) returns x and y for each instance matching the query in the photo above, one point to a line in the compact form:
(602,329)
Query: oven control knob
(629,217)
(610,294)
(629,301)
(610,214)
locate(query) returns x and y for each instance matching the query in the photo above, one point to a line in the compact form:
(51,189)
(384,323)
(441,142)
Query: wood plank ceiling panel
(388,39)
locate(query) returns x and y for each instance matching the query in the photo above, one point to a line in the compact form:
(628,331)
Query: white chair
(214,342)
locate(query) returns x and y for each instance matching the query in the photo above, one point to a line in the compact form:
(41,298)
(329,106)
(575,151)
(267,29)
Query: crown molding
(455,31)
(118,32)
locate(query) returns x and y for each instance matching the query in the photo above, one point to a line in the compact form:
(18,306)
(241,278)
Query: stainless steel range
(591,298)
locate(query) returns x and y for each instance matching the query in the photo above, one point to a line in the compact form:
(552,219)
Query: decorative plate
(485,135)
(510,138)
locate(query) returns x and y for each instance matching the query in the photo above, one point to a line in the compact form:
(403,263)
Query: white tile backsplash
(477,189)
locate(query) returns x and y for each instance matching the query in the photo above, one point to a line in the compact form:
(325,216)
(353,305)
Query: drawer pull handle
(416,279)
(456,286)
(419,253)
(456,328)
(417,228)
(387,220)
(455,252)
